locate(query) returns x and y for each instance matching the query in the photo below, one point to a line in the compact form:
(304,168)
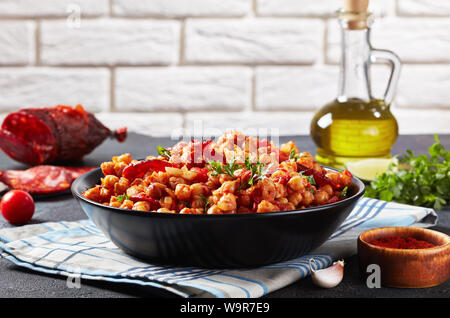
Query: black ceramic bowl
(219,241)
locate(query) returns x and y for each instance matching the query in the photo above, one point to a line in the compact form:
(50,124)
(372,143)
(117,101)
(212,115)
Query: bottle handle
(386,56)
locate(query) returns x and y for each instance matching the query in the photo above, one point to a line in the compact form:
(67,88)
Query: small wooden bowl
(406,268)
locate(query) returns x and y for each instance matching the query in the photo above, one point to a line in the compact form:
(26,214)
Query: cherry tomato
(17,206)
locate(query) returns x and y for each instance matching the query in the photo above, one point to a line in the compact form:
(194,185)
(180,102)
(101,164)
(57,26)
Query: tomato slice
(138,169)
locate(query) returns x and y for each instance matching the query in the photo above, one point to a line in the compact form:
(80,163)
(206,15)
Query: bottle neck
(354,76)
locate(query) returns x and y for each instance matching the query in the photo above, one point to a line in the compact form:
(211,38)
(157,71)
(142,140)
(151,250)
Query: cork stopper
(355,12)
(356,5)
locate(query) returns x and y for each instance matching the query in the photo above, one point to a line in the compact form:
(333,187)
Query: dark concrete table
(19,282)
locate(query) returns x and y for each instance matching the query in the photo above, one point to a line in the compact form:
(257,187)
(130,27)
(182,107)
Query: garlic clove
(328,277)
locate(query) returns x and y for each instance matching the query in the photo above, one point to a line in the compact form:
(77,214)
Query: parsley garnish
(122,197)
(424,180)
(311,179)
(257,170)
(206,202)
(293,155)
(220,168)
(344,192)
(163,152)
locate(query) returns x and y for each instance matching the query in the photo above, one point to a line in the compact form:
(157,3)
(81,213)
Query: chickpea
(127,204)
(166,202)
(199,188)
(105,194)
(289,166)
(210,185)
(155,190)
(191,211)
(227,202)
(213,178)
(121,186)
(268,190)
(134,190)
(160,177)
(224,177)
(93,194)
(244,199)
(266,206)
(320,197)
(115,204)
(307,161)
(125,158)
(214,209)
(280,190)
(109,181)
(173,181)
(214,199)
(289,206)
(328,189)
(295,198)
(308,197)
(108,168)
(278,173)
(183,192)
(297,183)
(118,168)
(141,206)
(197,202)
(265,158)
(228,187)
(165,210)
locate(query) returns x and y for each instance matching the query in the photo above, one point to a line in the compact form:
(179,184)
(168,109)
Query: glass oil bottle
(356,125)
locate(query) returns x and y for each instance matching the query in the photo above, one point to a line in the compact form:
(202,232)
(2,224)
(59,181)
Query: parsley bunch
(425,181)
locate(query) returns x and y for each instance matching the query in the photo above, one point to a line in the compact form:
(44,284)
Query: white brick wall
(160,65)
(253,41)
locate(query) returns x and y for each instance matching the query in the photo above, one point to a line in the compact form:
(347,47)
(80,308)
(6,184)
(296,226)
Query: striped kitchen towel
(80,250)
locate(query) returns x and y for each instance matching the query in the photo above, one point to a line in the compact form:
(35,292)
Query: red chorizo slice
(44,179)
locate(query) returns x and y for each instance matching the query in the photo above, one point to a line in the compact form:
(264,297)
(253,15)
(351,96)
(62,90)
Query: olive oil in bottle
(356,125)
(353,130)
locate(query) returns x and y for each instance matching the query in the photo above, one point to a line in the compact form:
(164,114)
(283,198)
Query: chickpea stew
(235,174)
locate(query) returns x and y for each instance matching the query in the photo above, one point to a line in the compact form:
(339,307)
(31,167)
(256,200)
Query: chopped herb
(310,178)
(344,192)
(220,168)
(422,180)
(163,151)
(293,155)
(206,203)
(258,170)
(122,197)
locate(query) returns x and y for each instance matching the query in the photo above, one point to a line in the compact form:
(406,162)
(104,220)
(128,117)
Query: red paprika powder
(401,243)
